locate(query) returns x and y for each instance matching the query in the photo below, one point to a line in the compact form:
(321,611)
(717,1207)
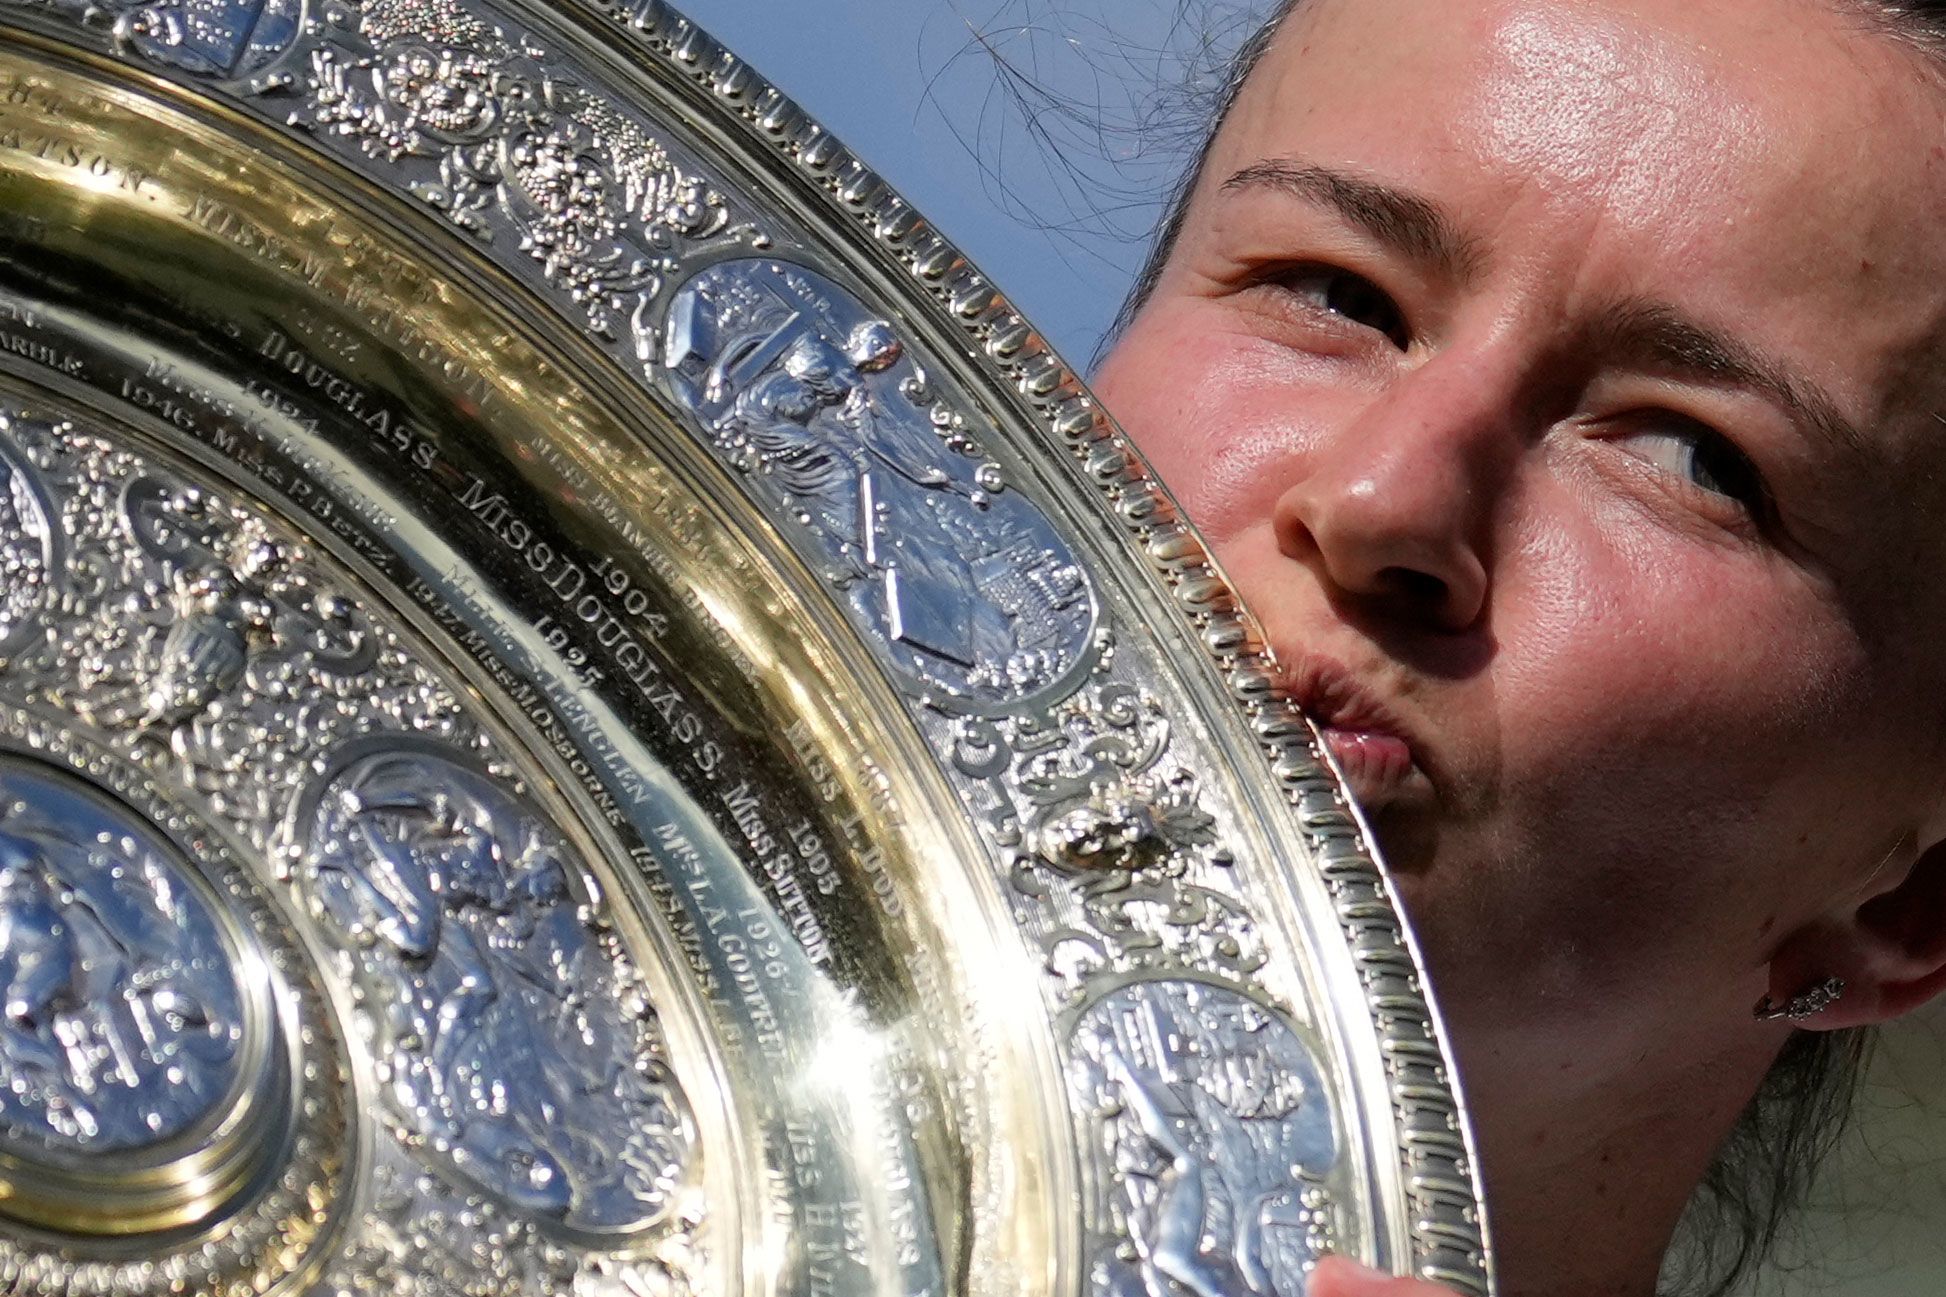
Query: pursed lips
(1366,740)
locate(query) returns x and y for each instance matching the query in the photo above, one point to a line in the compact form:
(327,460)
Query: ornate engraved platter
(587,710)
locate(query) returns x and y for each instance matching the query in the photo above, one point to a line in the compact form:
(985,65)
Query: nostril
(1413,585)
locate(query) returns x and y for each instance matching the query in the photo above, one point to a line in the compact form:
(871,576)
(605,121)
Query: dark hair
(1766,1165)
(1176,204)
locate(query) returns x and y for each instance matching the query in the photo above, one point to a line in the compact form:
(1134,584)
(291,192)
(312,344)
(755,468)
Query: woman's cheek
(1220,414)
(1658,644)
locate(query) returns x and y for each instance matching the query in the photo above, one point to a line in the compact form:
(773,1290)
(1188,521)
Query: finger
(1338,1276)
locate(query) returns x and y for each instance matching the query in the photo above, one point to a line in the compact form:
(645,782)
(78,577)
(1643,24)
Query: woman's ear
(1889,949)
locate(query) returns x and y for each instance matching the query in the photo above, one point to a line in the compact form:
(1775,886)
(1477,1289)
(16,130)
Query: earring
(1804,1004)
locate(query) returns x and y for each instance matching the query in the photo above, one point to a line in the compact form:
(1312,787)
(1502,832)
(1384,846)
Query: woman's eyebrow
(1657,336)
(1404,221)
(1652,335)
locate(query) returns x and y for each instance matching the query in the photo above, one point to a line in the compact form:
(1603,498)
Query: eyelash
(1735,483)
(1345,296)
(1738,497)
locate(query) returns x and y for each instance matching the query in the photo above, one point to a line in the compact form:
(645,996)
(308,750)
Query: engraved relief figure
(211,597)
(120,1011)
(512,1034)
(195,614)
(1219,1132)
(1103,797)
(206,648)
(963,585)
(219,38)
(1119,831)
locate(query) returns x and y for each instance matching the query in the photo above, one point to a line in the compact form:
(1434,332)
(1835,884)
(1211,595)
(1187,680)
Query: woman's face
(1557,380)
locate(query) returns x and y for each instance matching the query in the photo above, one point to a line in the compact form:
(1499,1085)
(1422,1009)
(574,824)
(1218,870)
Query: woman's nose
(1394,507)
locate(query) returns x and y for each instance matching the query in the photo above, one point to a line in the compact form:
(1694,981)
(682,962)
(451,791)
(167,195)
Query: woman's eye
(1704,458)
(1351,297)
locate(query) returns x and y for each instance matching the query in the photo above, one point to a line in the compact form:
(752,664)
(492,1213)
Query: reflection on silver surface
(122,1015)
(503,1034)
(961,584)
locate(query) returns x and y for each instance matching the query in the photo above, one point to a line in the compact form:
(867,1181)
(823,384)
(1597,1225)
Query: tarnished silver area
(963,585)
(511,1031)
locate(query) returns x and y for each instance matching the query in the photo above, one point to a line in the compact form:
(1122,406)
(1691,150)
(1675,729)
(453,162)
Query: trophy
(587,710)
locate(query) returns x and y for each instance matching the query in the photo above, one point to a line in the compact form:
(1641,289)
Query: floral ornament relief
(1114,853)
(591,196)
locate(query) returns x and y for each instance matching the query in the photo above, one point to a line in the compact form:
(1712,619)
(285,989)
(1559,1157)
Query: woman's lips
(1366,741)
(1375,764)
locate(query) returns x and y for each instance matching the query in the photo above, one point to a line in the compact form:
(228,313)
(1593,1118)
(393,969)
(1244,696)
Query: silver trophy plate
(587,710)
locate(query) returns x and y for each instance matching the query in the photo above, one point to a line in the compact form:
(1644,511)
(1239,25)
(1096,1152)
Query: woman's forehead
(1779,158)
(1561,88)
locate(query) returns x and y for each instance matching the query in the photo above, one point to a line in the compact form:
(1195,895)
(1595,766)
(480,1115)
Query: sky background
(1036,134)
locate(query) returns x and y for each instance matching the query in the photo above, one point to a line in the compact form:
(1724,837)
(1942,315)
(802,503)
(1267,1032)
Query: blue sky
(915,87)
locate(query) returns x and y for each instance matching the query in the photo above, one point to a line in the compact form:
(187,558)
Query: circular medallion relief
(121,1016)
(962,585)
(169,1074)
(1215,1116)
(511,1035)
